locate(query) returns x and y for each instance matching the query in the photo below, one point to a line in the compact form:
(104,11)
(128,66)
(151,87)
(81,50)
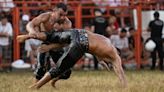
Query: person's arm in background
(126,45)
(8,32)
(30,27)
(163,32)
(149,26)
(3,34)
(131,42)
(93,26)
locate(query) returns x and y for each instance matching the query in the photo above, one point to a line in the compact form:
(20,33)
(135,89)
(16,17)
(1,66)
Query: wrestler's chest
(48,26)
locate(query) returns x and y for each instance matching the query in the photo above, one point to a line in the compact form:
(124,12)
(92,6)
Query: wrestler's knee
(39,73)
(66,75)
(54,72)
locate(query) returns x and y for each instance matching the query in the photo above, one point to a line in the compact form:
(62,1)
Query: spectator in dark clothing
(155,27)
(131,38)
(99,25)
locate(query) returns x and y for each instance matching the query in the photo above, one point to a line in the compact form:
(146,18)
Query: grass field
(87,81)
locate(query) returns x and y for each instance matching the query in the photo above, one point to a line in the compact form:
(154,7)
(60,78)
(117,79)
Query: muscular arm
(36,22)
(67,24)
(2,34)
(149,27)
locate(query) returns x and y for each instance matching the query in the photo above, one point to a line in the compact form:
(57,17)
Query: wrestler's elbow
(29,26)
(68,25)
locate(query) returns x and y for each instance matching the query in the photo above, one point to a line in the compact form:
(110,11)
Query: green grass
(90,81)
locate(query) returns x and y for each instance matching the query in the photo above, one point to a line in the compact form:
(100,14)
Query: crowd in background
(121,37)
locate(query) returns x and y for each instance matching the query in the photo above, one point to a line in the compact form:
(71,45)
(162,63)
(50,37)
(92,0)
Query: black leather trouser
(71,55)
(43,63)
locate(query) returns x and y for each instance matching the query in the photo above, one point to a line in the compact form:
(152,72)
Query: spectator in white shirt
(31,46)
(121,43)
(5,34)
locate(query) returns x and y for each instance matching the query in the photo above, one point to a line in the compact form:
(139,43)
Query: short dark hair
(4,17)
(156,14)
(123,30)
(62,6)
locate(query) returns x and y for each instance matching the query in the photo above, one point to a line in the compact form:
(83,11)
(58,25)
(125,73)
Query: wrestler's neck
(53,17)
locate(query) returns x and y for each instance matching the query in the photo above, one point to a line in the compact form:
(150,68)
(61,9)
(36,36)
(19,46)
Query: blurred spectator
(87,27)
(101,4)
(6,5)
(144,54)
(88,61)
(121,43)
(99,25)
(131,38)
(25,19)
(31,46)
(5,34)
(112,25)
(155,27)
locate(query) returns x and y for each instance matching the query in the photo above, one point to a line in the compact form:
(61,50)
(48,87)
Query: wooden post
(138,36)
(78,18)
(16,33)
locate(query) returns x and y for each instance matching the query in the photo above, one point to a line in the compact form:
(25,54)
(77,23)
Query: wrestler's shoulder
(46,13)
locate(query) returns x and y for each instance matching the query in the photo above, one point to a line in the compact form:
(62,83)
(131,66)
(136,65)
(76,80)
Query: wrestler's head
(61,8)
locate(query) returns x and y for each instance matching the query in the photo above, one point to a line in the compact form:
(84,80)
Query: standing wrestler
(46,22)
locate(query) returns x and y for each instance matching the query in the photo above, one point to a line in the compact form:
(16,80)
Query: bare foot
(33,86)
(53,82)
(36,80)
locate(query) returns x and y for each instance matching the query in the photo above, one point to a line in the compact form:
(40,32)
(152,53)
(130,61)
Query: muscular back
(99,43)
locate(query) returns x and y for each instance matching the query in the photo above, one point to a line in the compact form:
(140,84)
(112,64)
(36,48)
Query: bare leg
(46,78)
(105,65)
(119,71)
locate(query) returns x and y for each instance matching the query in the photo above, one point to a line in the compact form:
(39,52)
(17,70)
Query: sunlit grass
(87,81)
